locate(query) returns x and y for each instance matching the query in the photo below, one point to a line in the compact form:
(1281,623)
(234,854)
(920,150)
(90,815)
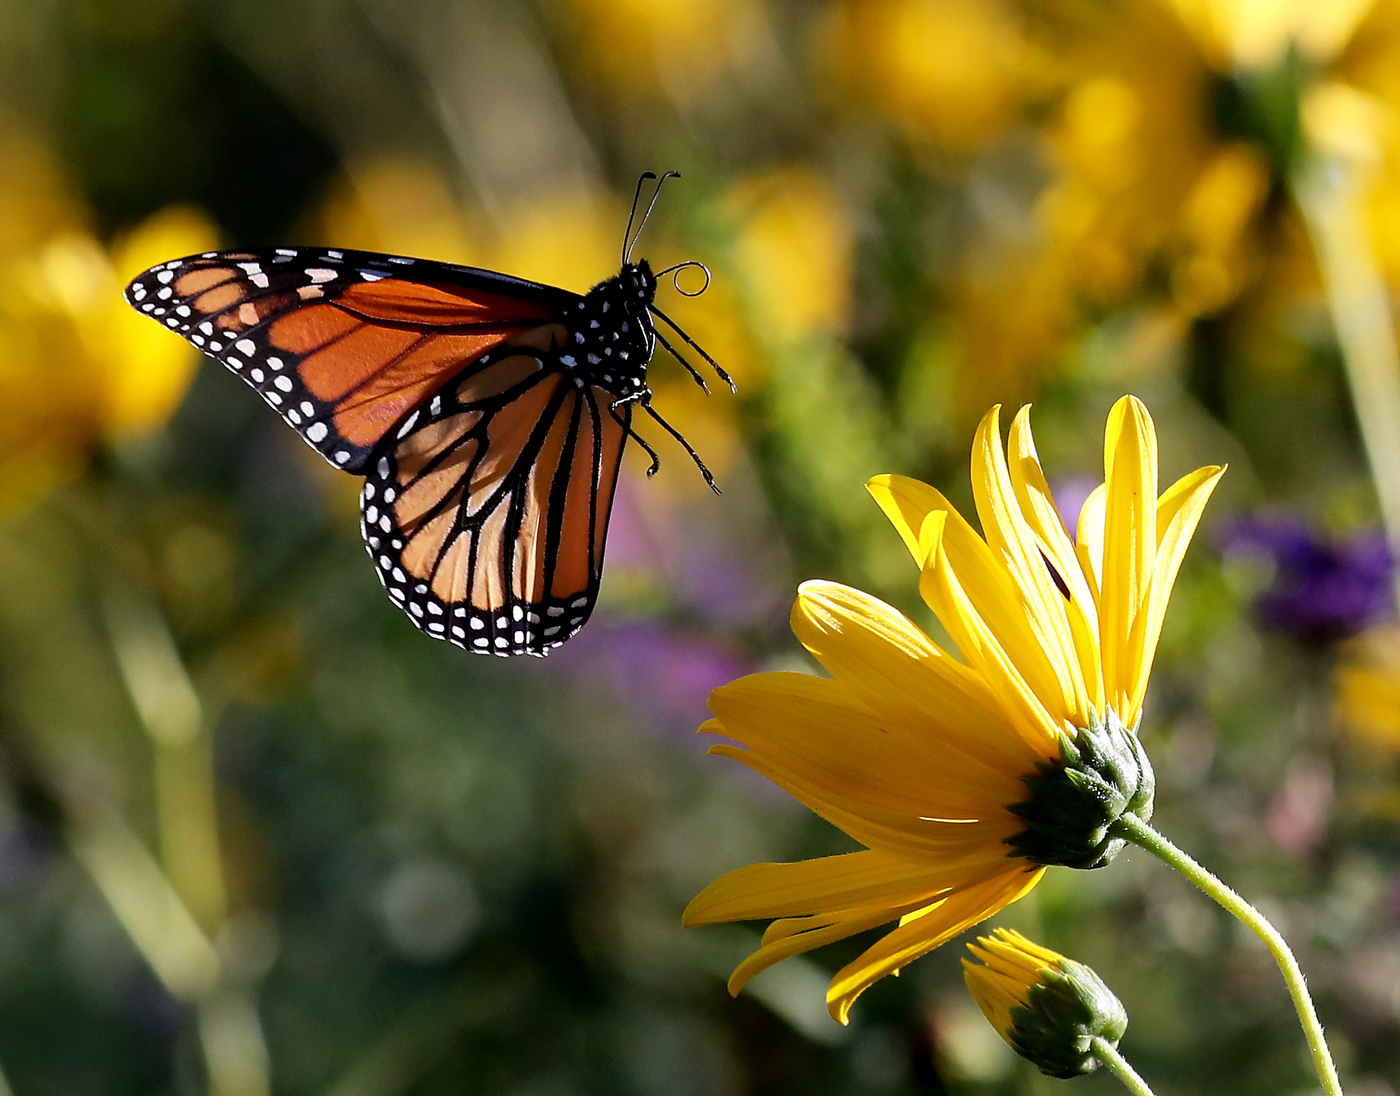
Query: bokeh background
(258,835)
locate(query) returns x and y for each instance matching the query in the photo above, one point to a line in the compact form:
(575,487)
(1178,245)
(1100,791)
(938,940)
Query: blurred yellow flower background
(912,210)
(77,366)
(953,72)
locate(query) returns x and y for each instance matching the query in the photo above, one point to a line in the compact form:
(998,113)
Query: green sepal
(1068,1006)
(1103,772)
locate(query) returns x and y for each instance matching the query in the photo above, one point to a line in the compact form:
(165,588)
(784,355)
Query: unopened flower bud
(1048,1008)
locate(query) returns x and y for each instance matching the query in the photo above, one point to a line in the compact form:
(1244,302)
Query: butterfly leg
(688,367)
(700,464)
(627,426)
(694,346)
(643,397)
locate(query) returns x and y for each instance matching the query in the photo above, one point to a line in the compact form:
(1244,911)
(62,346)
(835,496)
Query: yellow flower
(683,47)
(1047,1007)
(78,368)
(953,72)
(1242,34)
(963,779)
(1368,688)
(147,369)
(796,252)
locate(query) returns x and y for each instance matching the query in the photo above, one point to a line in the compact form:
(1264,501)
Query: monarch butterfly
(488,414)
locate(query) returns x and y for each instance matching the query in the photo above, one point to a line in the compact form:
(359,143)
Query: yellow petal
(931,841)
(944,920)
(1088,541)
(825,885)
(1130,539)
(1014,955)
(985,654)
(1043,517)
(995,995)
(990,589)
(856,921)
(1178,513)
(909,505)
(816,728)
(906,502)
(1013,541)
(1010,966)
(931,533)
(892,667)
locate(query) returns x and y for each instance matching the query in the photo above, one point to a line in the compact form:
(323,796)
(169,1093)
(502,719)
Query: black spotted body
(611,338)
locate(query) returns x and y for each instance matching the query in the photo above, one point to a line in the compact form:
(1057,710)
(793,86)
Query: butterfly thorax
(610,334)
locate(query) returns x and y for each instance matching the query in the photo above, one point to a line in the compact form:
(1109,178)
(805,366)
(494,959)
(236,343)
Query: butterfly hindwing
(343,344)
(486,512)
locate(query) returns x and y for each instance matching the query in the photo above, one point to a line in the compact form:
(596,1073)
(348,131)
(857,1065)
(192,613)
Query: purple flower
(661,674)
(1325,587)
(1070,496)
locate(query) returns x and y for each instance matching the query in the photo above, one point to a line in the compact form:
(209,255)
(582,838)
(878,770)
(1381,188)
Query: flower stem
(1140,833)
(1108,1054)
(1331,194)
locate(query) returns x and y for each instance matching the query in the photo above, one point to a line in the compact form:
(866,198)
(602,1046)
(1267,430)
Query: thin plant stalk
(1140,833)
(1108,1054)
(1330,193)
(189,884)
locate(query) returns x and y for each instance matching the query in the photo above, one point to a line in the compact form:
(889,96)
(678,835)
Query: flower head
(1047,1007)
(962,779)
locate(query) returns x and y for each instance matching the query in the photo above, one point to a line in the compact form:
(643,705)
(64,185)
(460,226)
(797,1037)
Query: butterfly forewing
(343,344)
(487,511)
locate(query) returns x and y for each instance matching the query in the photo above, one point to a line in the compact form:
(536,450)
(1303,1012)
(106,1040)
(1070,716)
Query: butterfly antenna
(637,197)
(680,358)
(700,464)
(676,280)
(696,347)
(655,194)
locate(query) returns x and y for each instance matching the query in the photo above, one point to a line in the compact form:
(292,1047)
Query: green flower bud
(1047,1007)
(1103,773)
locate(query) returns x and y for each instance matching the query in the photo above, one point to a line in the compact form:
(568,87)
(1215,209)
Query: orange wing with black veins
(343,344)
(488,517)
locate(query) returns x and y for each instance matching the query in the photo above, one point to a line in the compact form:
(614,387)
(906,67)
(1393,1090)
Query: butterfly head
(638,280)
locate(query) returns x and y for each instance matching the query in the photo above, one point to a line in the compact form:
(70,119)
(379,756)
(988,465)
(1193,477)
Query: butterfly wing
(486,513)
(343,344)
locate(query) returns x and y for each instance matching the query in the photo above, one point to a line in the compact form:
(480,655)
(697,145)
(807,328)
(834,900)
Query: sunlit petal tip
(907,503)
(1129,404)
(839,1007)
(693,915)
(823,598)
(823,607)
(815,587)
